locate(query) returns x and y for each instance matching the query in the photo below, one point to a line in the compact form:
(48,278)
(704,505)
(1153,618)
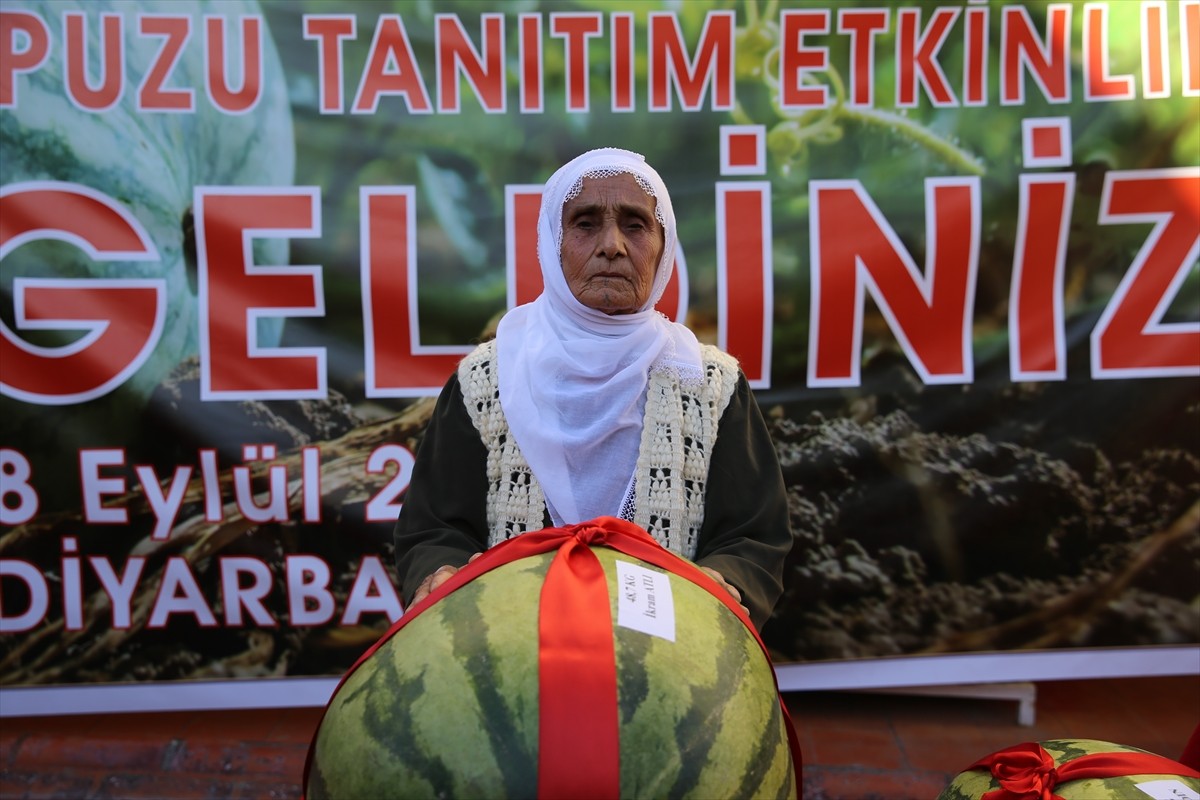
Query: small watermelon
(973,784)
(448,706)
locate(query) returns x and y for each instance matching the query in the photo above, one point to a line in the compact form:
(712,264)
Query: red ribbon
(578,727)
(578,733)
(1027,772)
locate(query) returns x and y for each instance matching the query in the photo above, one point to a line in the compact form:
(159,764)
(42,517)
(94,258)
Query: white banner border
(867,673)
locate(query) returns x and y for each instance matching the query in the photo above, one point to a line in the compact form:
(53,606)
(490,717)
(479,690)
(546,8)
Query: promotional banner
(953,245)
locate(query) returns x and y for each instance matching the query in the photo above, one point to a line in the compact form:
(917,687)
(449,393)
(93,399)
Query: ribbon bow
(1027,772)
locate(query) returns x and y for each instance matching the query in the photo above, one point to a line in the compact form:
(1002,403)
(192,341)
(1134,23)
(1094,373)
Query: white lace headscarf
(573,379)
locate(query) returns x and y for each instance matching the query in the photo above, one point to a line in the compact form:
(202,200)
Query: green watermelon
(973,784)
(448,706)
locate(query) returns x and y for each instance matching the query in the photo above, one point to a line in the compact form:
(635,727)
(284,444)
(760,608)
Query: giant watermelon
(1067,773)
(448,706)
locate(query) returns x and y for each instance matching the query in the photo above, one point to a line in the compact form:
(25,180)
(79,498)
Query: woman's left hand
(729,587)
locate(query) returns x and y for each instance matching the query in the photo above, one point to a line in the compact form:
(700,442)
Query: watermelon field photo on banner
(954,246)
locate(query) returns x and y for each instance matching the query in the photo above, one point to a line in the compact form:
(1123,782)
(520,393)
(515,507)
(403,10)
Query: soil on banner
(990,517)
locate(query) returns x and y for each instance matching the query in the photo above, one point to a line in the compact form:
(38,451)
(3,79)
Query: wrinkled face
(611,244)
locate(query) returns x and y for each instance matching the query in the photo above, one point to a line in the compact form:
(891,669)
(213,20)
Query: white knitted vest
(678,433)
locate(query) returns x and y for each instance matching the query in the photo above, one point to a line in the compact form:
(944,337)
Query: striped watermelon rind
(973,784)
(399,726)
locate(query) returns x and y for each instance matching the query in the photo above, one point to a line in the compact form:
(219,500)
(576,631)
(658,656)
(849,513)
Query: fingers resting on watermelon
(729,587)
(436,579)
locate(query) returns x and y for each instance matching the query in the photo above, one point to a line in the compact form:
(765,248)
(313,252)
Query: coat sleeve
(444,516)
(746,534)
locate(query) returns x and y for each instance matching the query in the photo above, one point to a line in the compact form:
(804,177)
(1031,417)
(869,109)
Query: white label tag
(1168,790)
(644,601)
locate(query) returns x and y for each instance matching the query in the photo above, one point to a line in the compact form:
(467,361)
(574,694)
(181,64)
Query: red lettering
(862,24)
(12,60)
(795,60)
(112,58)
(532,87)
(151,94)
(744,280)
(1189,45)
(219,91)
(975,63)
(457,55)
(1154,49)
(397,365)
(1097,83)
(1049,63)
(329,30)
(713,63)
(524,273)
(915,57)
(575,29)
(853,248)
(1131,339)
(674,300)
(391,70)
(622,62)
(1037,340)
(122,319)
(234,292)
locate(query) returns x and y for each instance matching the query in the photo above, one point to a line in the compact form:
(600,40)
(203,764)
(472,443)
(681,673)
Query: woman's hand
(436,579)
(729,587)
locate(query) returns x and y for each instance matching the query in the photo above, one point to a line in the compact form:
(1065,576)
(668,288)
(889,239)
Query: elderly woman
(589,403)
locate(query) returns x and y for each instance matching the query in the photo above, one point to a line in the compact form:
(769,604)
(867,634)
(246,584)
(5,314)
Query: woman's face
(611,244)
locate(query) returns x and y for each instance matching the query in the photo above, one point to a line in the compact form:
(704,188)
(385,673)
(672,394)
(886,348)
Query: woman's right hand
(436,579)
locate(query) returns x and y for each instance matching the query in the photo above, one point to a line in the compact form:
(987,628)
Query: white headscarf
(573,379)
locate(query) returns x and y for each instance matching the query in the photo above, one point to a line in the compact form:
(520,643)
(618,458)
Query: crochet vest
(678,433)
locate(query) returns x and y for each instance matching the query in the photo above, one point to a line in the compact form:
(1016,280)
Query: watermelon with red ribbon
(1074,769)
(584,661)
